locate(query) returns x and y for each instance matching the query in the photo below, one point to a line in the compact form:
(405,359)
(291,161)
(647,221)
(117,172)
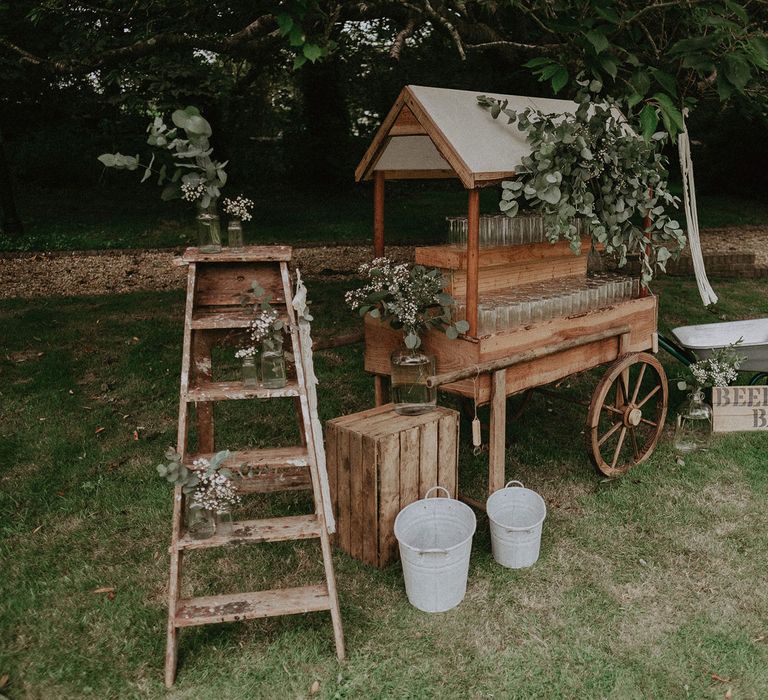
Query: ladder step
(249,606)
(252,254)
(294,527)
(235,317)
(274,469)
(259,457)
(221,391)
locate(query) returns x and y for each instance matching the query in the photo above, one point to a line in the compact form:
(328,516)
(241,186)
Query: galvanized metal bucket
(516,515)
(435,537)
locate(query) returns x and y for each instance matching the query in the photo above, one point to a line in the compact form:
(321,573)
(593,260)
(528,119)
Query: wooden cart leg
(497,442)
(381,389)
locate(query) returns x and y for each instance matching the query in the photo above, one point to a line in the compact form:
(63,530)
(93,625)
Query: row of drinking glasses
(499,229)
(542,301)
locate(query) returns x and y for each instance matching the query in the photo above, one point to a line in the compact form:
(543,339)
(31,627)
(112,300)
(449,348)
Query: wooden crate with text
(378,463)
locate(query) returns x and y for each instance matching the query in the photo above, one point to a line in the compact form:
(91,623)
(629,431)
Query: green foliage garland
(592,165)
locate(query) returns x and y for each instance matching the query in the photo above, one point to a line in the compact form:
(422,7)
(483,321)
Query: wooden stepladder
(216,284)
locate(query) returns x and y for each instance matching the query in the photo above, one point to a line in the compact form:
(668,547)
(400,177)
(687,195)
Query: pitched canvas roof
(436,132)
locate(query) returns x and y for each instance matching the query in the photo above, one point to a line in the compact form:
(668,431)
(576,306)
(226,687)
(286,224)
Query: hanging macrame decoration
(706,292)
(303,318)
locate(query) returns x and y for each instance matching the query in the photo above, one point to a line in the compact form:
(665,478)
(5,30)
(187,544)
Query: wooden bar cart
(438,133)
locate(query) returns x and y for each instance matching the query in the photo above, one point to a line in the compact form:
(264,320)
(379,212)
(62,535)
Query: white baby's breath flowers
(215,492)
(261,326)
(192,191)
(260,329)
(720,369)
(239,207)
(409,296)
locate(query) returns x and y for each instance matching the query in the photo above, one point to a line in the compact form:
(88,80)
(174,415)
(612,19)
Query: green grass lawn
(651,586)
(136,218)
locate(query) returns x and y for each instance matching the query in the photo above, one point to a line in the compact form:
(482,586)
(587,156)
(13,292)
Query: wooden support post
(473,258)
(498,438)
(378,213)
(381,389)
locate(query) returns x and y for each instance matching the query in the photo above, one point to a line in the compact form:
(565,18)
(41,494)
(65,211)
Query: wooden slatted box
(378,463)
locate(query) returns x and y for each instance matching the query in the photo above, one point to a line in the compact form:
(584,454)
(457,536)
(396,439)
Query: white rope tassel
(706,292)
(303,317)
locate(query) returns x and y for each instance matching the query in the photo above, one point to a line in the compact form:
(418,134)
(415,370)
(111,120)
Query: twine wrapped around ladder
(303,317)
(706,292)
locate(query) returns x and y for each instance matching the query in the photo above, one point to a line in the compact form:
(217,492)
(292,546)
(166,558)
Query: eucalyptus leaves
(196,176)
(591,164)
(410,298)
(207,484)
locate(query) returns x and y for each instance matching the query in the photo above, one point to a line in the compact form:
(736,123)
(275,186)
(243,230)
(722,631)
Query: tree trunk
(326,125)
(11,223)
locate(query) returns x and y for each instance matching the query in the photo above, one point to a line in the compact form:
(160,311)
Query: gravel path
(27,276)
(31,275)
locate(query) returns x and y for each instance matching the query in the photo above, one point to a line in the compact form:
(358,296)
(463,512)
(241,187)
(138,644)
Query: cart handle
(494,365)
(680,353)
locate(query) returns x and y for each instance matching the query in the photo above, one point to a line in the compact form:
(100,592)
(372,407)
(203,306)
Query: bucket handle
(426,495)
(514,481)
(422,552)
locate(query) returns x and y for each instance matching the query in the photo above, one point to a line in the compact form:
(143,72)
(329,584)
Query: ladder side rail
(176,556)
(325,543)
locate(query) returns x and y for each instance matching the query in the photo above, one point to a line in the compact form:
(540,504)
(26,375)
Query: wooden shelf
(264,456)
(224,318)
(250,606)
(224,391)
(454,257)
(294,527)
(276,469)
(251,253)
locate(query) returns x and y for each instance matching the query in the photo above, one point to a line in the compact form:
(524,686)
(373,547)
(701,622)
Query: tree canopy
(294,83)
(658,54)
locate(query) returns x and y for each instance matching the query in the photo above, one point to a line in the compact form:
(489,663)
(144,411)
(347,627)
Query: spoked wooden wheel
(626,416)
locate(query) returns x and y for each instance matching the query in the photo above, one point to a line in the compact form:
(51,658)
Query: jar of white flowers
(409,298)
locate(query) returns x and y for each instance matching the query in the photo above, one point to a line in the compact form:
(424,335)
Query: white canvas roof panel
(463,136)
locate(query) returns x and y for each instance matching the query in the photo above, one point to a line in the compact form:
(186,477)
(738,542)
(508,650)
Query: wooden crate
(378,463)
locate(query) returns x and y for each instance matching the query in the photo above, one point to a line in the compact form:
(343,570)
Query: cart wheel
(627,412)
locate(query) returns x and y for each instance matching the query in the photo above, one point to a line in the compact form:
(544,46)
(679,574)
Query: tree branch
(399,41)
(245,41)
(514,45)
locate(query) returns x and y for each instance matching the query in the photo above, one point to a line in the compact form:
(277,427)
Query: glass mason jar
(235,234)
(200,522)
(209,228)
(273,365)
(224,525)
(250,371)
(410,393)
(693,431)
